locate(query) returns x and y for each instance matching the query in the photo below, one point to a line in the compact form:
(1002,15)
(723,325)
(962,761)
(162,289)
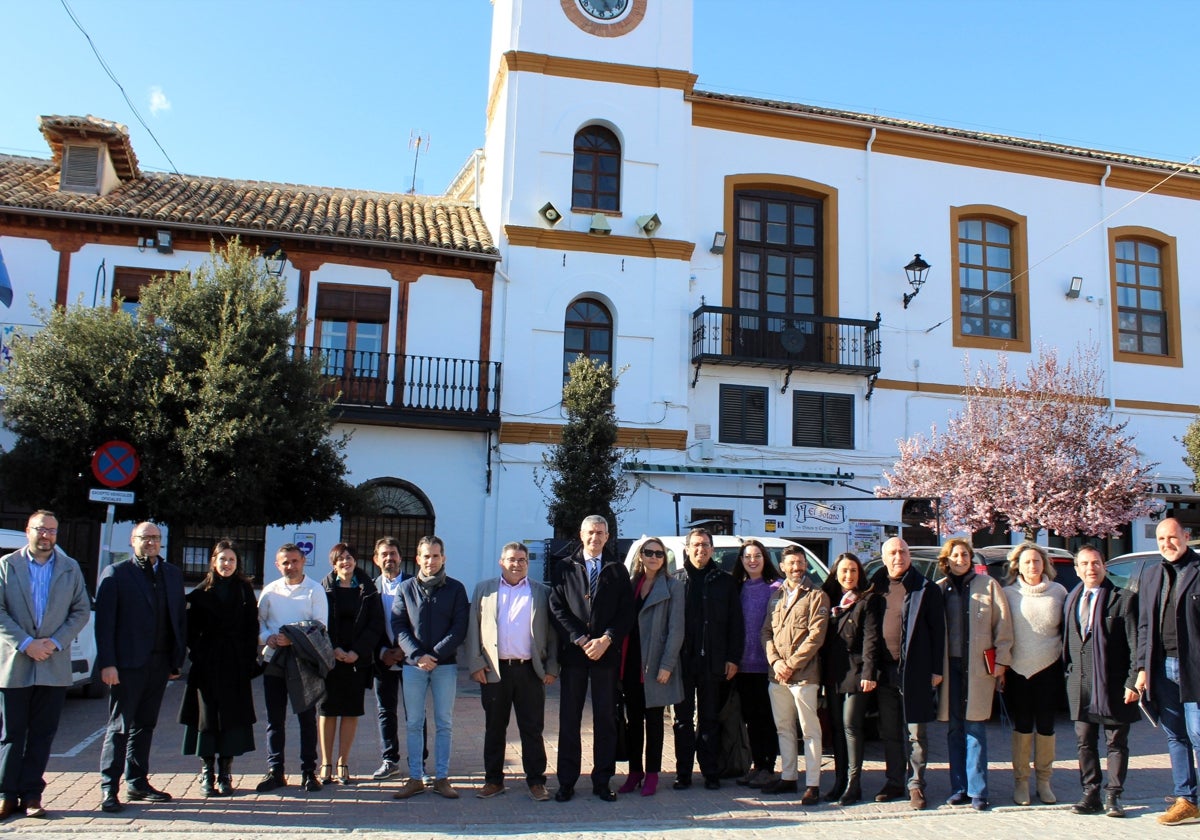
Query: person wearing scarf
(1099,635)
(979,640)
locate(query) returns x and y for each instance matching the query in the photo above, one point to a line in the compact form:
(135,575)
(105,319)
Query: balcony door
(352,336)
(778,273)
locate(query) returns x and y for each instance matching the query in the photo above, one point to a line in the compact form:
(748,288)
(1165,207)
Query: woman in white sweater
(1035,680)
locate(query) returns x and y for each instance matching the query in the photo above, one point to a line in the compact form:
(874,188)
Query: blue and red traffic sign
(115,463)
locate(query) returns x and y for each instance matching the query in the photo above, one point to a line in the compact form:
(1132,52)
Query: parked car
(726,548)
(83,647)
(1125,569)
(924,560)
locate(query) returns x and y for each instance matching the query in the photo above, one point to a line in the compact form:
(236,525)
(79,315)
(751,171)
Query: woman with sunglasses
(759,582)
(650,675)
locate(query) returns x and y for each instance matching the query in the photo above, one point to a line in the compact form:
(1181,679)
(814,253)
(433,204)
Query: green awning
(735,472)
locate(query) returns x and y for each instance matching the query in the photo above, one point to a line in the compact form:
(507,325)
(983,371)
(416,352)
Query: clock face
(605,18)
(604,9)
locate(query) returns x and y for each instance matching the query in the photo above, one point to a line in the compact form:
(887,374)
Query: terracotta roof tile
(31,185)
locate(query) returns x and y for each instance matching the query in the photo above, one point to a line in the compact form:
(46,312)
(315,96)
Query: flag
(5,283)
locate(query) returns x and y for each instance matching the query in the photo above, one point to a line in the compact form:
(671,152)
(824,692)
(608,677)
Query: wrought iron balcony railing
(433,391)
(757,338)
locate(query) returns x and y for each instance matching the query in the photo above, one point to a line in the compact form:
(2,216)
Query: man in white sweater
(291,598)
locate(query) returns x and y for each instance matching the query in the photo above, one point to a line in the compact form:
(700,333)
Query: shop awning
(735,472)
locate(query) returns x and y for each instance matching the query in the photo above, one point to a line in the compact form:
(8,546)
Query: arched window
(1141,322)
(395,509)
(587,331)
(991,287)
(1145,296)
(596,179)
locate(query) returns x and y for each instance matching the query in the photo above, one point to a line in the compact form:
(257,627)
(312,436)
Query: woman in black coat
(848,670)
(222,638)
(355,627)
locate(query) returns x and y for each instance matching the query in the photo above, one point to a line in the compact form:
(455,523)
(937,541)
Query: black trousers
(1032,700)
(574,680)
(28,722)
(133,706)
(275,697)
(704,696)
(519,688)
(846,715)
(1087,737)
(639,721)
(760,720)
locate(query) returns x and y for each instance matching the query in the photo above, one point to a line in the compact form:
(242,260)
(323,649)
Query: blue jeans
(1181,722)
(387,698)
(442,681)
(966,742)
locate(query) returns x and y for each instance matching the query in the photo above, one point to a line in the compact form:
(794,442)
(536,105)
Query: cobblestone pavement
(367,809)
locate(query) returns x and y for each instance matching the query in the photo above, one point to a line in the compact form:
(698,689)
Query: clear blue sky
(328,93)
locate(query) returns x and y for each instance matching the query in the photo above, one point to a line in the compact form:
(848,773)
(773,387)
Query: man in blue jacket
(140,644)
(429,620)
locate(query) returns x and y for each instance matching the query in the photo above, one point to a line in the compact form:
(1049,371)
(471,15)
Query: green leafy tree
(228,420)
(1191,443)
(583,472)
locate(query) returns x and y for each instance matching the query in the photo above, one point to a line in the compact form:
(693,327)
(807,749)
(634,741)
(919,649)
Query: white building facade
(740,263)
(764,387)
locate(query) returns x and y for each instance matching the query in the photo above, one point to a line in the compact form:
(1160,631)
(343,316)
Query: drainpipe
(869,250)
(1104,335)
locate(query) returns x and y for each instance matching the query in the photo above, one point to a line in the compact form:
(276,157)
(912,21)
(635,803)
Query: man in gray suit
(512,652)
(43,606)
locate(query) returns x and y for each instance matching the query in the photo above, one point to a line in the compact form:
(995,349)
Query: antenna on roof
(417,139)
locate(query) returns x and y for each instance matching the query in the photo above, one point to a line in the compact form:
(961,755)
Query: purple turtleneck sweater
(756,596)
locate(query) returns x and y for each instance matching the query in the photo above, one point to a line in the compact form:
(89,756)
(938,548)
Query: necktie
(593,576)
(1085,618)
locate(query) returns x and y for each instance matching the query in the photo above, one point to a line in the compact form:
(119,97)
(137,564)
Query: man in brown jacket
(793,638)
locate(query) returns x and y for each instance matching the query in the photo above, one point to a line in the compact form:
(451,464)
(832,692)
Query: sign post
(114,464)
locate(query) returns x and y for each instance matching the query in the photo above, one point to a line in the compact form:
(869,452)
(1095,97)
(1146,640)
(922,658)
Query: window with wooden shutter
(743,414)
(822,420)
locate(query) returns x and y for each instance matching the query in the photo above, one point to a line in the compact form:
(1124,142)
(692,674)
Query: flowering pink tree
(1039,453)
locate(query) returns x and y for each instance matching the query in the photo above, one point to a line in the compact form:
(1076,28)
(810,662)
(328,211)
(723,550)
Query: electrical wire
(108,71)
(1148,191)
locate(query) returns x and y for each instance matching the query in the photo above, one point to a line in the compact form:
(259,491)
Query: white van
(83,647)
(726,548)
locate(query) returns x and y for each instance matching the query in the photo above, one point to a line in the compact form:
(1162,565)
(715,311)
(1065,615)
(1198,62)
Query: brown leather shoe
(411,788)
(812,796)
(33,808)
(8,807)
(442,788)
(488,790)
(916,799)
(538,793)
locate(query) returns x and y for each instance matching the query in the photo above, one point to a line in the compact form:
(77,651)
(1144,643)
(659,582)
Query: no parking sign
(115,463)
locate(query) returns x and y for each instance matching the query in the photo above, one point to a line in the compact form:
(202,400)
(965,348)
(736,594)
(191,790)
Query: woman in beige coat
(979,634)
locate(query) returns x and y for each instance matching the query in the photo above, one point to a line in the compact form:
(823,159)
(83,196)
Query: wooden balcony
(418,391)
(756,338)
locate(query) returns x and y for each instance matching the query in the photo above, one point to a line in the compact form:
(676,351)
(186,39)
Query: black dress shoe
(1112,806)
(712,783)
(564,794)
(308,781)
(146,794)
(780,786)
(1087,805)
(110,804)
(682,784)
(851,796)
(605,795)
